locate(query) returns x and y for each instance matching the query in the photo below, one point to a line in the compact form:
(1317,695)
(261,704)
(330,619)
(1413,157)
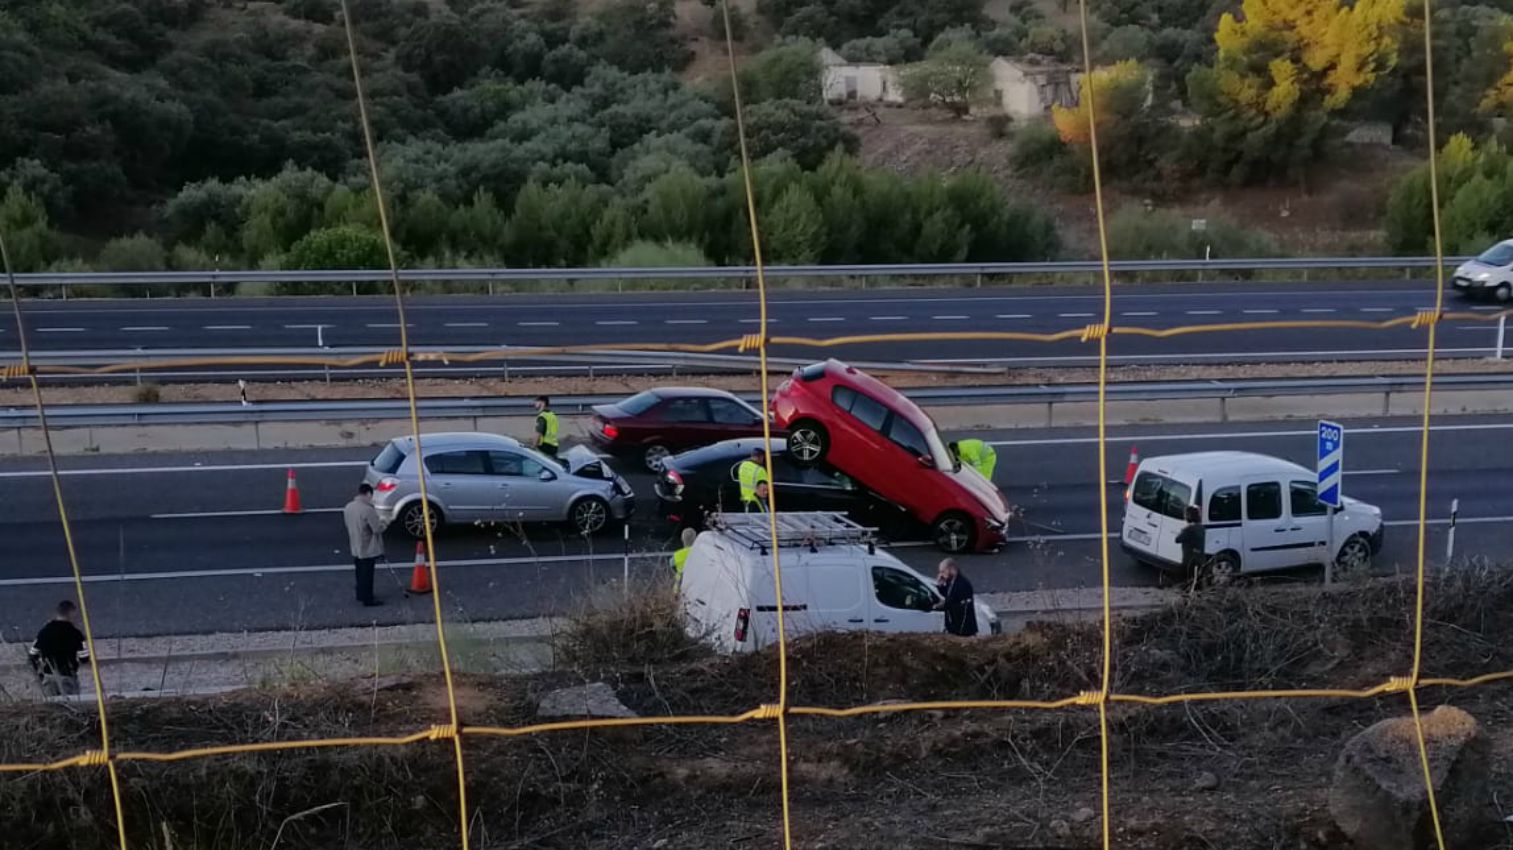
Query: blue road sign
(1331,462)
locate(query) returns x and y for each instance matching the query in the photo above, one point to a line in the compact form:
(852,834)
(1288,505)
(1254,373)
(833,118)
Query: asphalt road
(186,543)
(698,317)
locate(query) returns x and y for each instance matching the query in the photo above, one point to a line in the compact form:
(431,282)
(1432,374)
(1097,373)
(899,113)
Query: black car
(695,483)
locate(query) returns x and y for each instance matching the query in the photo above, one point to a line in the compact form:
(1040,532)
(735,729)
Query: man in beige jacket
(365,537)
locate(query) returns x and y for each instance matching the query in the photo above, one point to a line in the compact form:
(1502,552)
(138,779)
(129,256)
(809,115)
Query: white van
(834,579)
(1261,513)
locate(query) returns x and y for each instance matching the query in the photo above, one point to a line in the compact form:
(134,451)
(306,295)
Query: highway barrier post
(1502,327)
(1450,535)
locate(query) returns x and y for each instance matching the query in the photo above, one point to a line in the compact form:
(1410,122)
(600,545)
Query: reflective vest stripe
(549,437)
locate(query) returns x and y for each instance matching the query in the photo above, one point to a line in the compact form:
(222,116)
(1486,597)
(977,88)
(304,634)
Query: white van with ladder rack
(835,578)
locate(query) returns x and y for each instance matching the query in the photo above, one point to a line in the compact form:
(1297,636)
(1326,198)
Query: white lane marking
(210,514)
(1017,316)
(1203,312)
(1377,310)
(1488,307)
(538,324)
(1377,471)
(615,322)
(1153,438)
(467,324)
(59,330)
(1318,309)
(1140,313)
(1260,312)
(145,328)
(222,467)
(227,327)
(390,325)
(827,318)
(758,321)
(887,318)
(685,321)
(307,327)
(1075,315)
(950,318)
(257,572)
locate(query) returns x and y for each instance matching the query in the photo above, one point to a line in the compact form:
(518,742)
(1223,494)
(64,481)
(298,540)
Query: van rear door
(1158,501)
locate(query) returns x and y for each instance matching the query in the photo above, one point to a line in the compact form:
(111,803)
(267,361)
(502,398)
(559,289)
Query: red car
(873,433)
(662,422)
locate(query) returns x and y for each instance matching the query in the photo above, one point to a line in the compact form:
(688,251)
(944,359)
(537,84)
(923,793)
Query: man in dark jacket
(1193,539)
(57,653)
(957,600)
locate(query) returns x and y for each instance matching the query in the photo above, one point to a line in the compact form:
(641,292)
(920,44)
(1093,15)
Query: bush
(148,393)
(138,253)
(999,125)
(614,633)
(1048,40)
(1135,234)
(646,254)
(1037,146)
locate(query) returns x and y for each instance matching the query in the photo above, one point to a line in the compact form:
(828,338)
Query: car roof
(1232,464)
(691,392)
(855,378)
(458,440)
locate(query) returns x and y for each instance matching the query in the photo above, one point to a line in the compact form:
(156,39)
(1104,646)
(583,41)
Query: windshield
(938,451)
(639,403)
(1500,254)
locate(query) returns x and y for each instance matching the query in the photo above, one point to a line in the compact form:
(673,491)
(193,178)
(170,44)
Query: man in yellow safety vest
(976,454)
(546,427)
(680,557)
(751,473)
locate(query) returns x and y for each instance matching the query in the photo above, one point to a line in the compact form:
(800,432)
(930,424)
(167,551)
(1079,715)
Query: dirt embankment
(627,384)
(1244,774)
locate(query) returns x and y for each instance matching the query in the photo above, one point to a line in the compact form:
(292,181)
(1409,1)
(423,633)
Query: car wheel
(1354,556)
(1503,294)
(412,519)
(1222,571)
(655,455)
(953,533)
(589,515)
(807,443)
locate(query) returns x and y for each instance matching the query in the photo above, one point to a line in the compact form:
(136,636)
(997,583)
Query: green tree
(614,229)
(794,230)
(136,253)
(344,247)
(895,48)
(478,227)
(806,131)
(445,53)
(638,35)
(956,77)
(553,225)
(674,208)
(423,223)
(29,239)
(787,71)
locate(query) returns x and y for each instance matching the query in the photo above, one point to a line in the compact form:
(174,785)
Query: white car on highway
(1260,513)
(1490,275)
(475,477)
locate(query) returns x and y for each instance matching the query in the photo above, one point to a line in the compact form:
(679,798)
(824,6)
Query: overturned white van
(835,578)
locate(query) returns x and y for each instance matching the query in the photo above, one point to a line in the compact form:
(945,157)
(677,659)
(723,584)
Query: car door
(685,422)
(903,603)
(462,483)
(1272,540)
(527,497)
(731,420)
(1311,516)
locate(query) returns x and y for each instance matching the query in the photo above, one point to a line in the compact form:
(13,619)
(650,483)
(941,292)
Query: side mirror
(548,475)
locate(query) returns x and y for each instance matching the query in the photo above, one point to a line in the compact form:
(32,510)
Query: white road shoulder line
(145,328)
(1018,316)
(227,327)
(138,470)
(59,330)
(685,321)
(612,322)
(1140,313)
(1241,435)
(827,318)
(1204,312)
(950,318)
(219,514)
(887,318)
(1260,312)
(538,324)
(467,324)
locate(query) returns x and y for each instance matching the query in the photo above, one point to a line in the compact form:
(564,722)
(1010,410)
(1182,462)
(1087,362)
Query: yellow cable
(404,346)
(772,507)
(68,539)
(1108,321)
(1423,467)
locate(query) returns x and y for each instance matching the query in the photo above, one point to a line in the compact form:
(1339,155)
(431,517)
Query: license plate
(1139,536)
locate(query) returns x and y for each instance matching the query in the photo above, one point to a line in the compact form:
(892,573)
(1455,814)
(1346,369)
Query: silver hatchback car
(476,477)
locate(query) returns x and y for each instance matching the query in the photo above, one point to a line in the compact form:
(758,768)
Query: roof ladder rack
(794,528)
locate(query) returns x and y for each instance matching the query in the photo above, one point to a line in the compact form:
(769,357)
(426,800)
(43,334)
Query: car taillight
(610,431)
(742,621)
(387,485)
(674,480)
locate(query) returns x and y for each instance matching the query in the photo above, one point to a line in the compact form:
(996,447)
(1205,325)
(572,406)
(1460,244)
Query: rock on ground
(1378,796)
(593,700)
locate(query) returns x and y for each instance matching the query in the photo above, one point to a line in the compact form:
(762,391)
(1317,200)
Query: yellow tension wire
(762,343)
(1106,679)
(24,346)
(414,405)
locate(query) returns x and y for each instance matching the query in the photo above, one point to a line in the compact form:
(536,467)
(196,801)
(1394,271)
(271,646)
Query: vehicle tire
(1354,557)
(588,515)
(1223,570)
(655,455)
(807,442)
(953,533)
(1503,294)
(412,519)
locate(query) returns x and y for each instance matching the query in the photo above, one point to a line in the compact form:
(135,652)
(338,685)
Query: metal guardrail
(40,279)
(81,415)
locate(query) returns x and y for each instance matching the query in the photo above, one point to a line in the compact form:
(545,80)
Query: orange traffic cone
(1134,463)
(420,577)
(291,495)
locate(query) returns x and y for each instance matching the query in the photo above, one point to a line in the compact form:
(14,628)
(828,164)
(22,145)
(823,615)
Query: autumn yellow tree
(1282,67)
(1119,93)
